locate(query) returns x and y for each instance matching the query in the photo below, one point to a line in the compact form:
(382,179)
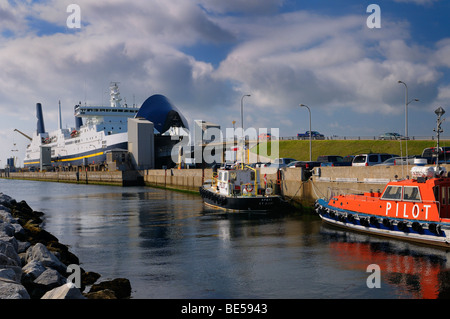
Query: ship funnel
(40,119)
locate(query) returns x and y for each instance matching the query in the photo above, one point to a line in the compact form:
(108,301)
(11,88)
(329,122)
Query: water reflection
(416,271)
(170,246)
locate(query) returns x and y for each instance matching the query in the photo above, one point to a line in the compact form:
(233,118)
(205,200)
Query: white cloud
(441,56)
(326,61)
(334,63)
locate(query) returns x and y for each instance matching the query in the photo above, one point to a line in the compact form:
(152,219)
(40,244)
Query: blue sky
(205,54)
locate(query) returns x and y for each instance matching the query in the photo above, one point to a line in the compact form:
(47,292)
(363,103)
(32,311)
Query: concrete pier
(121,178)
(289,181)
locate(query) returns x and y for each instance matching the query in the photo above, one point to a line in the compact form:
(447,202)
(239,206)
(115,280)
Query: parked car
(349,158)
(371,159)
(282,162)
(391,136)
(430,154)
(410,160)
(388,162)
(332,160)
(314,135)
(307,165)
(259,164)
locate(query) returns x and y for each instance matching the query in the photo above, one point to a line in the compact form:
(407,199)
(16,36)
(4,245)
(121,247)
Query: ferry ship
(104,129)
(415,209)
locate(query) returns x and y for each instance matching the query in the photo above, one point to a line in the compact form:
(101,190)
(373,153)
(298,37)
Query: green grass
(299,149)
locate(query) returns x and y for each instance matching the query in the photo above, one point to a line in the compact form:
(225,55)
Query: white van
(371,159)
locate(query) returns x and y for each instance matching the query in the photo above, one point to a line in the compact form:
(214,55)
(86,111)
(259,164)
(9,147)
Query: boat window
(392,192)
(444,196)
(411,193)
(436,193)
(232,177)
(220,176)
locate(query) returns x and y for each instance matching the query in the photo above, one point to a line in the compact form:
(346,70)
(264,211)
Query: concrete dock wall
(186,179)
(91,177)
(324,182)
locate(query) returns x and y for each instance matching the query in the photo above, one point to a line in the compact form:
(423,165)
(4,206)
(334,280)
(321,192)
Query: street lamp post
(310,132)
(242,126)
(406,119)
(406,107)
(439,112)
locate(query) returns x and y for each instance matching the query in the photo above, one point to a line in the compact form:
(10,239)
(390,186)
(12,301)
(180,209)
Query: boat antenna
(439,112)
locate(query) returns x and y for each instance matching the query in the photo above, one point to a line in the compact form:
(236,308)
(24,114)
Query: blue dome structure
(159,110)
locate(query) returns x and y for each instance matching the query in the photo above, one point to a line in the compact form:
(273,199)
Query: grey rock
(6,217)
(11,240)
(50,278)
(8,254)
(11,272)
(6,229)
(40,253)
(33,269)
(6,200)
(2,207)
(18,229)
(10,289)
(66,291)
(22,246)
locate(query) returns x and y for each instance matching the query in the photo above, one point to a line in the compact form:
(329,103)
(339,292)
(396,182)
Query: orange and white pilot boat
(416,209)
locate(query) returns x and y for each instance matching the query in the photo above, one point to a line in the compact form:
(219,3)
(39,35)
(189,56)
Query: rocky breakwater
(35,265)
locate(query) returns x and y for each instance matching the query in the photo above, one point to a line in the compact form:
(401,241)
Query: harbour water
(171,247)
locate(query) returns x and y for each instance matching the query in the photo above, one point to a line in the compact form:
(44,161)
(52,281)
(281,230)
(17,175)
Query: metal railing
(362,138)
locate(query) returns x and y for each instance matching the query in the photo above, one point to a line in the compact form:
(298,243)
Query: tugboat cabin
(237,182)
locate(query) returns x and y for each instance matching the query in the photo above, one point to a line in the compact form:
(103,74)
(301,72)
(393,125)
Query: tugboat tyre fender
(434,228)
(363,221)
(373,220)
(416,226)
(402,226)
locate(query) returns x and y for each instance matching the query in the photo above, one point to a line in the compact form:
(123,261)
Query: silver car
(371,159)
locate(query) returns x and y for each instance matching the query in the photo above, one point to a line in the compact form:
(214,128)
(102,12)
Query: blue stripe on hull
(419,231)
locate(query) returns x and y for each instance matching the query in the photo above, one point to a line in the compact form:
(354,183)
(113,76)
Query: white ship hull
(88,148)
(105,129)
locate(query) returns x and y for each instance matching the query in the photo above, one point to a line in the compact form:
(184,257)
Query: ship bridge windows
(392,192)
(411,193)
(406,193)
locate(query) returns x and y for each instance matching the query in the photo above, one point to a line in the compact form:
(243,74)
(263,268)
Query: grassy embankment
(299,149)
